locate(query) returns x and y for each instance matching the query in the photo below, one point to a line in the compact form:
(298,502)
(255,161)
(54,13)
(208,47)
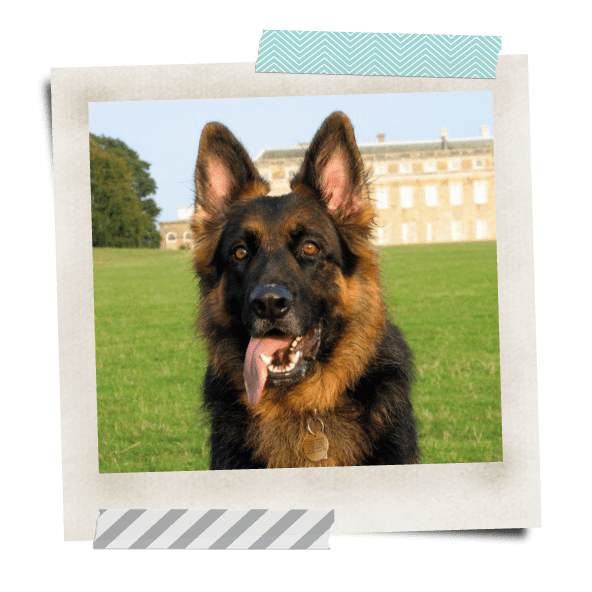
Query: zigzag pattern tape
(213,529)
(378,54)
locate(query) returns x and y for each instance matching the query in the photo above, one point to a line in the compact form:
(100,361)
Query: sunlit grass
(444,297)
(150,365)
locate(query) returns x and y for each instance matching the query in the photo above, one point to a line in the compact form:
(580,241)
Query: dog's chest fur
(279,442)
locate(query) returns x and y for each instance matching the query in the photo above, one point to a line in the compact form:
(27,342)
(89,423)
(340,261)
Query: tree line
(123,214)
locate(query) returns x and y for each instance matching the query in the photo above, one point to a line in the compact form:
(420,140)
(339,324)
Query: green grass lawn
(150,365)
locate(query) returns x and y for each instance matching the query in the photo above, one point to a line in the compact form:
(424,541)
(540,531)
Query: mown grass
(444,297)
(150,364)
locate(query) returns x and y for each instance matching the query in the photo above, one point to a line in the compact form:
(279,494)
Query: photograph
(295,282)
(333,298)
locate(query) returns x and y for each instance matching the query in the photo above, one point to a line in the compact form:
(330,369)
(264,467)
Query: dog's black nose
(270,301)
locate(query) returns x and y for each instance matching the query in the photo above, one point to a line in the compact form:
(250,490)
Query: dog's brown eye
(310,248)
(240,253)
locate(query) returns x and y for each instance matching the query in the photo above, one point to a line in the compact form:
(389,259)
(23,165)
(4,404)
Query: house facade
(424,192)
(176,234)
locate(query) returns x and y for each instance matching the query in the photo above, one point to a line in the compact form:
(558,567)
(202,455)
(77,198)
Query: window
(454,165)
(480,188)
(379,235)
(380,169)
(482,229)
(429,166)
(171,237)
(406,197)
(429,232)
(457,230)
(431,195)
(382,198)
(187,237)
(384,234)
(455,194)
(405,167)
(409,232)
(479,163)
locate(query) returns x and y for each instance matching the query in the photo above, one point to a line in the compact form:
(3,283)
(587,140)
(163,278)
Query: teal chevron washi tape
(378,54)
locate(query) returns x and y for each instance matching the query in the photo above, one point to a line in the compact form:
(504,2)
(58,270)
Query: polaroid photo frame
(365,499)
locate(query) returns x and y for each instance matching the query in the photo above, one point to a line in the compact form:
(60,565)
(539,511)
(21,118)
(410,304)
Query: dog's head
(273,270)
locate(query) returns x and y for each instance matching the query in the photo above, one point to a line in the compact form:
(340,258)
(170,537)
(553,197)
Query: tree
(122,213)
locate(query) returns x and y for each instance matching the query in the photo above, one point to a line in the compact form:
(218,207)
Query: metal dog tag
(316,446)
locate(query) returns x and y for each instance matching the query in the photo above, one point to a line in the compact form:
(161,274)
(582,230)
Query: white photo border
(365,499)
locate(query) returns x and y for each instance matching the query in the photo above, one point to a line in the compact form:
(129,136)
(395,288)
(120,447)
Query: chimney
(380,138)
(485,129)
(184,212)
(444,137)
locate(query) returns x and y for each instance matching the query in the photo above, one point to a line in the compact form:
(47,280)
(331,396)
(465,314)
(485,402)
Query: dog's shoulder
(228,423)
(382,394)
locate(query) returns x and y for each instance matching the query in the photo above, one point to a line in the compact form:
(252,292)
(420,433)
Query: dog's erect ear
(333,166)
(223,171)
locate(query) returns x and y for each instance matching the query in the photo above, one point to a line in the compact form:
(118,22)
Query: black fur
(260,276)
(386,384)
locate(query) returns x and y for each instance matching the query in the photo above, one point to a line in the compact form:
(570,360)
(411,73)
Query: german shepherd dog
(305,369)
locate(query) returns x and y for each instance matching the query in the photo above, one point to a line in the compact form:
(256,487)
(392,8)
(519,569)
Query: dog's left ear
(223,171)
(333,167)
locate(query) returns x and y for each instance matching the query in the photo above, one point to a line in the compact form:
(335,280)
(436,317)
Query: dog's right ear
(223,171)
(333,167)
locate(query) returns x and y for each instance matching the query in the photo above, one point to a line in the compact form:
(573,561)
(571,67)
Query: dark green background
(36,38)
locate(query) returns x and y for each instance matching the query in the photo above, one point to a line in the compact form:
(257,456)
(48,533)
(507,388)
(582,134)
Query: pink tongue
(255,371)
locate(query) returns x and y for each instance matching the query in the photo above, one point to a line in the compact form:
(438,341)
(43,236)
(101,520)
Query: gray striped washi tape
(213,529)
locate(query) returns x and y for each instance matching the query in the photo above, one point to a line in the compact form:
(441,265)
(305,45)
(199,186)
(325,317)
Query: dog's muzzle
(270,301)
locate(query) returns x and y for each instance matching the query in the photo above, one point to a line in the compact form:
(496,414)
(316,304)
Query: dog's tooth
(266,359)
(294,343)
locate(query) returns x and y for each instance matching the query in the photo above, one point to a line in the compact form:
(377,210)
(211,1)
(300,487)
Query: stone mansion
(431,191)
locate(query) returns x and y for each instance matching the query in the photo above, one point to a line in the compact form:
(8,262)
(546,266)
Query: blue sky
(166,133)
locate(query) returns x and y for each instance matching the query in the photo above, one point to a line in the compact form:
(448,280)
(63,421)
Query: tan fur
(332,170)
(279,421)
(279,442)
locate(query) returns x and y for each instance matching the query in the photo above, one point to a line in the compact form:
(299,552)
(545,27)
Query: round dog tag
(316,446)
